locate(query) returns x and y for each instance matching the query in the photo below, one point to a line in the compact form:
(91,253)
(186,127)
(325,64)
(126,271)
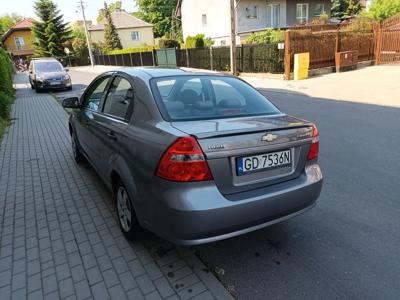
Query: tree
(383,9)
(157,12)
(345,8)
(111,38)
(79,50)
(111,7)
(7,21)
(51,33)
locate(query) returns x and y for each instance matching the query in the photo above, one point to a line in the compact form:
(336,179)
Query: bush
(360,24)
(267,36)
(133,50)
(196,41)
(383,9)
(168,43)
(6,89)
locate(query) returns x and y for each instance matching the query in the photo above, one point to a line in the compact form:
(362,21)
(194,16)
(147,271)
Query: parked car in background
(194,157)
(48,74)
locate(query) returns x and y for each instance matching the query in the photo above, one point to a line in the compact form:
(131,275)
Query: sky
(69,8)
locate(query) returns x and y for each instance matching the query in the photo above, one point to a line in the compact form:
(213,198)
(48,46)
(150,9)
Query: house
(18,40)
(212,17)
(132,31)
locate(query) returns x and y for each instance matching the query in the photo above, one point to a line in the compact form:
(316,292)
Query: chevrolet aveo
(194,157)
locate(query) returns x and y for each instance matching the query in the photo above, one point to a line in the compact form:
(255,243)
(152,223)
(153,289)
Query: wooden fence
(322,46)
(388,41)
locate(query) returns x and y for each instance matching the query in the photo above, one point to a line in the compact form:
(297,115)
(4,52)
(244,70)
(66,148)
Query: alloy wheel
(124,209)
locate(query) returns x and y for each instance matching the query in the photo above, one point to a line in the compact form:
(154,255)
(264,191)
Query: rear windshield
(208,97)
(48,66)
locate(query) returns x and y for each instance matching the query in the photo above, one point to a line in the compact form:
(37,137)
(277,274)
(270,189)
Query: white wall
(218,19)
(146,37)
(245,24)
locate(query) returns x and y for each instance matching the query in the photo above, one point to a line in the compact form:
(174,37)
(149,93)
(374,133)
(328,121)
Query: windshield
(48,66)
(208,97)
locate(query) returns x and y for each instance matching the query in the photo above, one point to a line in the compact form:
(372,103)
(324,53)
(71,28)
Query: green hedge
(6,89)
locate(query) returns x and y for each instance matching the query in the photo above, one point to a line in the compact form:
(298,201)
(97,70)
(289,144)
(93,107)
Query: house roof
(25,24)
(121,19)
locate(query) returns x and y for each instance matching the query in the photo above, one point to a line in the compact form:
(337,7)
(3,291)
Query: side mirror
(66,70)
(72,102)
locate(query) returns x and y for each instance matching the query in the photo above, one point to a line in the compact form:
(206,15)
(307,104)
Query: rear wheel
(37,88)
(126,213)
(76,152)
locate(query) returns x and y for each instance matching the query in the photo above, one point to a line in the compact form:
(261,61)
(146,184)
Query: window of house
(19,43)
(204,19)
(302,12)
(252,12)
(135,35)
(318,9)
(273,12)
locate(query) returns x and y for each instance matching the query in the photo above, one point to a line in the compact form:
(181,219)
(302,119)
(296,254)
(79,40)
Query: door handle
(111,135)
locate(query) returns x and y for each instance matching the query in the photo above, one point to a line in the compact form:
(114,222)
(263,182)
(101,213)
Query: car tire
(76,152)
(37,88)
(126,213)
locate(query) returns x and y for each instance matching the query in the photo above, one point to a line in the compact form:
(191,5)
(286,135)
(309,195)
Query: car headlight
(66,77)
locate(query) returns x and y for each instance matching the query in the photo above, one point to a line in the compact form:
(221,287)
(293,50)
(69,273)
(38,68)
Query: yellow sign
(301,64)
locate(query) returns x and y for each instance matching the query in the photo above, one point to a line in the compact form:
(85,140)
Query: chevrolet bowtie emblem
(269,137)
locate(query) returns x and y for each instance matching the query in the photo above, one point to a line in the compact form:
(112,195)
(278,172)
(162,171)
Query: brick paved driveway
(59,236)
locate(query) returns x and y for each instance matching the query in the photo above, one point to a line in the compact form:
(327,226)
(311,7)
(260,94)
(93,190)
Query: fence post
(141,58)
(211,58)
(242,58)
(287,55)
(153,55)
(337,45)
(187,57)
(130,59)
(378,44)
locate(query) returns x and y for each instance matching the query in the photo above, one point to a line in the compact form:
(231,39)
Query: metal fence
(250,58)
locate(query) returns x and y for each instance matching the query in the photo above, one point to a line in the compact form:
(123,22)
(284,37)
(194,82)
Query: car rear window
(206,97)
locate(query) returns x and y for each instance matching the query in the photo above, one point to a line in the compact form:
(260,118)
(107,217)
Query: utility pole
(233,37)
(86,33)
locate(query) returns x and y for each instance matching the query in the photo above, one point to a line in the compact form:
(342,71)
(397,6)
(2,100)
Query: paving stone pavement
(59,238)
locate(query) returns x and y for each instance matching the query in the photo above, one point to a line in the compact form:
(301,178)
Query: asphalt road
(348,246)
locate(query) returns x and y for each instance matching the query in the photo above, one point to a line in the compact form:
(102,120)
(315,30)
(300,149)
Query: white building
(212,17)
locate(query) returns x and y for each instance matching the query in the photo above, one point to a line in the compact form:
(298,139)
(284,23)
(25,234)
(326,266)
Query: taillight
(314,148)
(184,161)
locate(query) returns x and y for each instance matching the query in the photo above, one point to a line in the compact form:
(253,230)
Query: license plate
(265,161)
(55,83)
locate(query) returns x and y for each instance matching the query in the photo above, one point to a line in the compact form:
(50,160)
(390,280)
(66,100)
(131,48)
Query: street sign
(281,46)
(66,50)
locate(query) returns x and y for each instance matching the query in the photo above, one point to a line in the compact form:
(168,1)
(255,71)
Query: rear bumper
(197,213)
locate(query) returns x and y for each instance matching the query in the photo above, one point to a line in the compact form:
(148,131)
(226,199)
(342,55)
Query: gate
(388,41)
(166,57)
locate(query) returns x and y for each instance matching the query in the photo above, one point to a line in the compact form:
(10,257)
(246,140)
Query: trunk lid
(226,142)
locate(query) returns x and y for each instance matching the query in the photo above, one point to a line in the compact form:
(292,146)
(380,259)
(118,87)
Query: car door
(111,123)
(91,104)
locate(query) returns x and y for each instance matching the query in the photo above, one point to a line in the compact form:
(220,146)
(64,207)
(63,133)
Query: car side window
(93,96)
(119,98)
